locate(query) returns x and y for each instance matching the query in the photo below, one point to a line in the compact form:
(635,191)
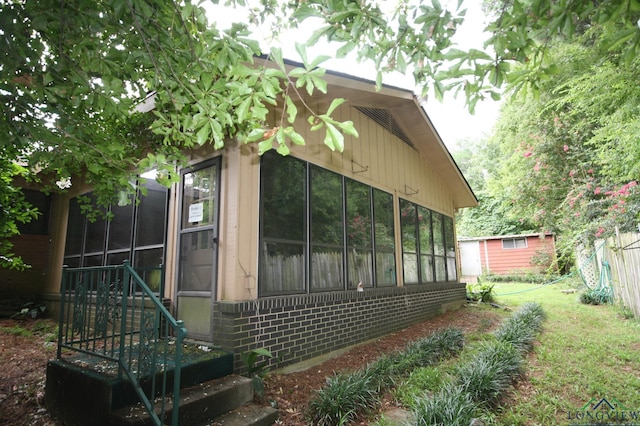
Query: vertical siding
(506,261)
(389,162)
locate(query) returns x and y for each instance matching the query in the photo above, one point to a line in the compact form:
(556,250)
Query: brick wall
(301,327)
(34,250)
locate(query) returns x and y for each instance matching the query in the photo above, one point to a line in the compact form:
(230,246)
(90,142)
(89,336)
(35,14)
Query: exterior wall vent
(384,118)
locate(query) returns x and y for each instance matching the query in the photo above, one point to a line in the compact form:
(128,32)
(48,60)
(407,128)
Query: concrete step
(199,404)
(248,415)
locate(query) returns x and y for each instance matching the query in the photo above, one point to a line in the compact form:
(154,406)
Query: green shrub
(343,397)
(16,330)
(450,406)
(481,292)
(257,370)
(595,297)
(520,277)
(520,329)
(428,350)
(420,380)
(489,374)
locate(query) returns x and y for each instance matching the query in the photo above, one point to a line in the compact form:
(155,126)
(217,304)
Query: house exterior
(506,254)
(302,254)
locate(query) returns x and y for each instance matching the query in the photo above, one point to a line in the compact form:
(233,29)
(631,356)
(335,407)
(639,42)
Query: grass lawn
(585,353)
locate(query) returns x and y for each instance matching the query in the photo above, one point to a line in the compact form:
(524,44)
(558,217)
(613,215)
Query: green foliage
(342,398)
(16,330)
(450,406)
(594,297)
(480,292)
(345,396)
(484,378)
(420,380)
(68,92)
(15,210)
(525,277)
(256,362)
(521,328)
(490,372)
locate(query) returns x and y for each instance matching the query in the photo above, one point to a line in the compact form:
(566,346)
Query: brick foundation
(300,327)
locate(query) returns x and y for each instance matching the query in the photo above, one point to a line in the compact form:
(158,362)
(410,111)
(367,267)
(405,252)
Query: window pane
(196,271)
(198,200)
(117,258)
(151,220)
(385,269)
(441,274)
(283,197)
(326,207)
(94,241)
(149,259)
(424,230)
(360,267)
(452,272)
(92,260)
(408,224)
(39,225)
(383,215)
(438,235)
(120,227)
(358,215)
(426,269)
(282,268)
(449,240)
(72,262)
(521,243)
(410,268)
(326,268)
(75,229)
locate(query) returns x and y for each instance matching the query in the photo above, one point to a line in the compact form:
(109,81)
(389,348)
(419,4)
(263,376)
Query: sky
(451,118)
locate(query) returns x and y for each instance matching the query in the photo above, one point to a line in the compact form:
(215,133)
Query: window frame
(267,289)
(442,267)
(85,258)
(514,241)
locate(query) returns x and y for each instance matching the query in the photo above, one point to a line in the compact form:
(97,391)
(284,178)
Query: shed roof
(503,237)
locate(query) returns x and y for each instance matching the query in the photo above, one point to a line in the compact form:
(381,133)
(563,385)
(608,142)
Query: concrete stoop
(226,401)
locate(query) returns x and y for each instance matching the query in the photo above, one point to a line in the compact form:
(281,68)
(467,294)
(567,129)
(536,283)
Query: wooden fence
(622,254)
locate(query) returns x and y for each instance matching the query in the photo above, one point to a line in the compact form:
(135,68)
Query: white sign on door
(196,212)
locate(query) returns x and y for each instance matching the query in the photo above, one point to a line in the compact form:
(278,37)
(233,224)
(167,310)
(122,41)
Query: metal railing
(113,322)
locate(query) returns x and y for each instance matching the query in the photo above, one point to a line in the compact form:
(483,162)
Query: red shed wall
(496,260)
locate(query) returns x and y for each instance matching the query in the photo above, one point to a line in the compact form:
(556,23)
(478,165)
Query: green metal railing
(112,321)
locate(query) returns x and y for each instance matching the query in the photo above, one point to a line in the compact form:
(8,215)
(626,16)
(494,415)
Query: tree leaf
(292,110)
(335,104)
(203,134)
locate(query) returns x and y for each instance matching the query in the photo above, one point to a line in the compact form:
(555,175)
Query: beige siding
(390,164)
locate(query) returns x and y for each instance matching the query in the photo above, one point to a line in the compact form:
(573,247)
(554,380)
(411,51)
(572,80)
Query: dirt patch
(27,345)
(292,392)
(25,348)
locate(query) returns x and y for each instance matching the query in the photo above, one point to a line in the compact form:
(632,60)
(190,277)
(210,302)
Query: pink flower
(599,232)
(566,148)
(597,191)
(572,172)
(527,154)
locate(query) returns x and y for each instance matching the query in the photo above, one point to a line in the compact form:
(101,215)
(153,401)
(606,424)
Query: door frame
(180,233)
